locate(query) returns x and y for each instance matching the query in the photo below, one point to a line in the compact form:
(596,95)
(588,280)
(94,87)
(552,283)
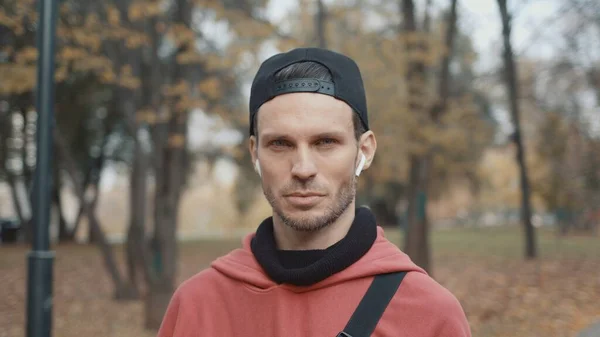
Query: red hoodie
(236,298)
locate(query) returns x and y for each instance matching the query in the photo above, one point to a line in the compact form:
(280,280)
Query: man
(305,270)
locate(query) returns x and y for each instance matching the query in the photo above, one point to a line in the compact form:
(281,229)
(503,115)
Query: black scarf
(306,267)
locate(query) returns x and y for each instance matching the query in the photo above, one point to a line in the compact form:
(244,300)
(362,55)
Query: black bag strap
(373,304)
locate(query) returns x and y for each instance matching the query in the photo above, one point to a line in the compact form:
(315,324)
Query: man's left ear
(368,147)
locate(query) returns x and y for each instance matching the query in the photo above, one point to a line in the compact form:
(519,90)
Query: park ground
(503,294)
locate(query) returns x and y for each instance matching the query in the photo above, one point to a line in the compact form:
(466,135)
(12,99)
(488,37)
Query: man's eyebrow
(330,134)
(326,134)
(274,135)
(320,135)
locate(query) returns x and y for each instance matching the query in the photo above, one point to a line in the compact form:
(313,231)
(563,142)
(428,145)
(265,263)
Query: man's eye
(327,141)
(279,143)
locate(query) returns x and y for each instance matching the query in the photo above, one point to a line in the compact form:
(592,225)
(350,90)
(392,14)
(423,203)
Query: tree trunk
(136,237)
(137,250)
(110,263)
(6,131)
(64,234)
(417,243)
(19,194)
(91,204)
(16,200)
(320,23)
(29,144)
(86,185)
(427,17)
(511,78)
(93,177)
(17,181)
(169,185)
(127,102)
(156,303)
(444,85)
(165,253)
(170,172)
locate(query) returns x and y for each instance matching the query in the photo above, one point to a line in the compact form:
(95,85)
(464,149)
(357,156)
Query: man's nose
(304,166)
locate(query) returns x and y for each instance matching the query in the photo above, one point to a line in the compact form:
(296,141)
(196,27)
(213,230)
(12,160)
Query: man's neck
(288,238)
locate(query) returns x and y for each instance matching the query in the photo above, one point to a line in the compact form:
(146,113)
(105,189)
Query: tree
(98,69)
(186,79)
(320,22)
(17,37)
(417,228)
(121,288)
(511,80)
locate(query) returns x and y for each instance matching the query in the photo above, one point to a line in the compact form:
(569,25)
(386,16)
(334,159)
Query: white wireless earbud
(361,164)
(257,167)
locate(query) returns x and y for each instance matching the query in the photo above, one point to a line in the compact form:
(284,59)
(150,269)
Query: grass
(501,292)
(504,242)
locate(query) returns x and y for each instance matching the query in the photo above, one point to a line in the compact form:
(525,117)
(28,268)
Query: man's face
(308,155)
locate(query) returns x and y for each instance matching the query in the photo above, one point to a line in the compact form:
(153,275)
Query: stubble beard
(308,223)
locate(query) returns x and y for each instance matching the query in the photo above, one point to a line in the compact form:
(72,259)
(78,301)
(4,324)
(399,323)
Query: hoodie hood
(383,257)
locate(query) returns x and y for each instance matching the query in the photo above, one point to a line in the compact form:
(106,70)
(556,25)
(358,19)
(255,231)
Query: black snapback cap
(346,85)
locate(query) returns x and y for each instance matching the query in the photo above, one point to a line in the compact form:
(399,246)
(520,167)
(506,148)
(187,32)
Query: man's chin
(298,212)
(304,220)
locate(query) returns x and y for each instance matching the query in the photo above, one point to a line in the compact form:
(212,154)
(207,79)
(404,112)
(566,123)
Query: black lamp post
(40,259)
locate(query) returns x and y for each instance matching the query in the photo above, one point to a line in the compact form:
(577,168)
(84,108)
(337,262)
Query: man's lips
(304,199)
(304,194)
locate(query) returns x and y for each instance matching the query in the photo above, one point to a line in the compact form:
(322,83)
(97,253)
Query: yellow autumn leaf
(135,12)
(18,78)
(107,77)
(92,21)
(7,20)
(135,40)
(129,82)
(176,140)
(181,88)
(210,87)
(113,15)
(71,53)
(189,57)
(26,55)
(152,9)
(61,74)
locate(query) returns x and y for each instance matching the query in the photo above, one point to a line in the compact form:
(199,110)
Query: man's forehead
(316,112)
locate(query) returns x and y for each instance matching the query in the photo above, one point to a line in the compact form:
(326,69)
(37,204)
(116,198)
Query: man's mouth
(304,199)
(305,194)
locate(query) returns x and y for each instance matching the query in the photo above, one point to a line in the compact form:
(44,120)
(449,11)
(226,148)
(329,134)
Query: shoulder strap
(373,304)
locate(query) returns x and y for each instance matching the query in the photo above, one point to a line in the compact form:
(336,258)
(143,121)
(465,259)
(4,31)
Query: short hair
(309,69)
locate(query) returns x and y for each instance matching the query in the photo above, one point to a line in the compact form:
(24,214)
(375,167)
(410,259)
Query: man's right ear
(253,148)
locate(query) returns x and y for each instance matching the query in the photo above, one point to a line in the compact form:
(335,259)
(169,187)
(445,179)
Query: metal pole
(39,288)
